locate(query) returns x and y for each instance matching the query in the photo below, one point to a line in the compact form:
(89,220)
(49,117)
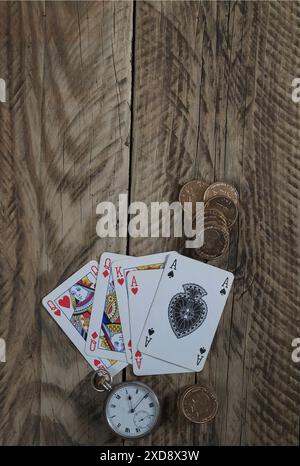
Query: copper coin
(222,189)
(215,242)
(198,404)
(214,216)
(226,206)
(193,191)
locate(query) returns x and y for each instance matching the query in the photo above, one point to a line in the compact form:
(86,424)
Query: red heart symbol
(105,273)
(96,362)
(65,301)
(120,281)
(134,290)
(94,335)
(57,312)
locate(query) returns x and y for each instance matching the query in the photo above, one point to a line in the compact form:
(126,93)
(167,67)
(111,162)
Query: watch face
(132,410)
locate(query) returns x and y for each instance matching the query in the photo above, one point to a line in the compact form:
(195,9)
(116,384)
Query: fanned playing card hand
(158,312)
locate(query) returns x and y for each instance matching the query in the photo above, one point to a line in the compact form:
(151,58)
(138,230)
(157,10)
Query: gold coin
(198,404)
(215,241)
(193,191)
(222,189)
(225,206)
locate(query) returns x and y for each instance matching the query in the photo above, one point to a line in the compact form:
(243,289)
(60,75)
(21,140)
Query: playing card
(70,305)
(185,312)
(105,336)
(119,270)
(144,284)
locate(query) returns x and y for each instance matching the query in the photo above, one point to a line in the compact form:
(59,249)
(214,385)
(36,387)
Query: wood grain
(165,125)
(217,138)
(86,122)
(64,149)
(268,247)
(252,351)
(21,26)
(222,112)
(114,97)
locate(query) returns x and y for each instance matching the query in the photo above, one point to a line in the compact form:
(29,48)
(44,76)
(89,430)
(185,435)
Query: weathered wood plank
(168,66)
(85,159)
(268,252)
(230,72)
(223,91)
(21,65)
(257,125)
(64,133)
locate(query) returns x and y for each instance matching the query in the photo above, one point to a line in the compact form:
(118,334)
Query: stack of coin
(216,236)
(220,214)
(198,404)
(223,197)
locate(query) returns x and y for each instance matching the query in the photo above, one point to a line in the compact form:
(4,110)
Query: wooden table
(118,97)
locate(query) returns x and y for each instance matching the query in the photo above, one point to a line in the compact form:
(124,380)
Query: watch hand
(139,402)
(130,402)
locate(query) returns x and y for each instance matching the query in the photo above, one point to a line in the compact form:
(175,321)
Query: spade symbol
(223,291)
(171,274)
(150,331)
(187,311)
(202,350)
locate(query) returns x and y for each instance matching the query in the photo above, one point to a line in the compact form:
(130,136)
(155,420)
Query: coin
(198,404)
(215,241)
(193,191)
(225,206)
(221,189)
(214,216)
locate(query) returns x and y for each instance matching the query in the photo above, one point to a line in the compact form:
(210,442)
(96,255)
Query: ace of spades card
(185,312)
(70,305)
(105,335)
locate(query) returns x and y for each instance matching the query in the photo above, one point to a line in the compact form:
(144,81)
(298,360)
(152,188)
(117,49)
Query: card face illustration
(70,305)
(185,312)
(119,271)
(105,335)
(142,286)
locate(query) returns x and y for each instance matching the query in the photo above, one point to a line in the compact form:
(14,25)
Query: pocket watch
(131,409)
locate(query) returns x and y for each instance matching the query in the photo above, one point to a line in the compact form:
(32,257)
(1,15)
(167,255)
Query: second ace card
(120,270)
(185,312)
(143,285)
